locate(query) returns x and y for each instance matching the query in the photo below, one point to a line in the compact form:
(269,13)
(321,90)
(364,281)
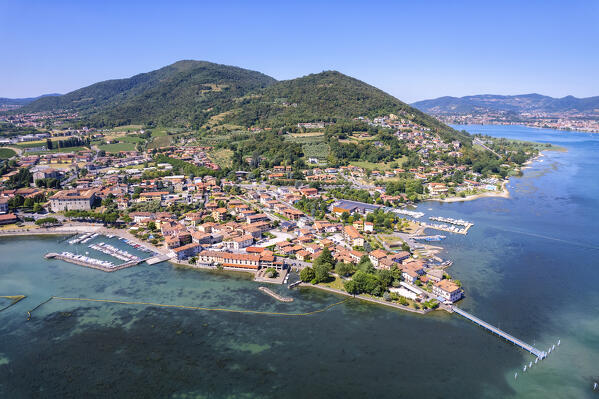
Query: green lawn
(69,149)
(116,147)
(379,165)
(6,153)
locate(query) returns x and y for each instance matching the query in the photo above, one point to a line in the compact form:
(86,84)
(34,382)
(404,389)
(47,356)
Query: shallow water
(528,265)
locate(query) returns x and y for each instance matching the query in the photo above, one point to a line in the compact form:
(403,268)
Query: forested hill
(326,96)
(22,101)
(518,103)
(197,94)
(185,93)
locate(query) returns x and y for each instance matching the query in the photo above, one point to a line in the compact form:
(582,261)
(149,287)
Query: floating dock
(538,353)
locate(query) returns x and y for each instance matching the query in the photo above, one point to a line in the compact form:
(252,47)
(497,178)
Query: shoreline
(504,193)
(524,125)
(78,229)
(371,300)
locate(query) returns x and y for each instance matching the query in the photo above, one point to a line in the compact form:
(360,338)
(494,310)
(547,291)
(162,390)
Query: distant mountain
(184,93)
(198,93)
(517,104)
(22,101)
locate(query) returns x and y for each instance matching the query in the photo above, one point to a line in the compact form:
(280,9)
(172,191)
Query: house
(238,243)
(351,235)
(376,256)
(8,218)
(187,251)
(152,196)
(67,200)
(3,205)
(448,290)
(303,255)
(226,259)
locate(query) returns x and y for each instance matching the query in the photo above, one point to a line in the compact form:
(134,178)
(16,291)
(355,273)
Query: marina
(90,262)
(115,252)
(446,227)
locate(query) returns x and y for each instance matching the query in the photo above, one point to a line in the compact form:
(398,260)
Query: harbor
(90,262)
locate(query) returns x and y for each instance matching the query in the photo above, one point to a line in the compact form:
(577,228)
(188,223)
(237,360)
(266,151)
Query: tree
(365,264)
(351,287)
(28,202)
(321,272)
(307,274)
(343,269)
(325,258)
(37,207)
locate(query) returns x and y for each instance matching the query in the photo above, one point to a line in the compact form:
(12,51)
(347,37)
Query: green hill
(186,93)
(328,96)
(193,94)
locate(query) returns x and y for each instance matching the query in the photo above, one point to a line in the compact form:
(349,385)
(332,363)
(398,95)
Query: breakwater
(275,295)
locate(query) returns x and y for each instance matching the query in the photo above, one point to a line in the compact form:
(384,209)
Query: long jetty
(538,353)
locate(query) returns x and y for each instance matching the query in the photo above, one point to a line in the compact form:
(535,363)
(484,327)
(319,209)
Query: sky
(413,50)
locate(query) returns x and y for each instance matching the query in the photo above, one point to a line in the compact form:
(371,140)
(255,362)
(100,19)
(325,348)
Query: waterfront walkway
(538,353)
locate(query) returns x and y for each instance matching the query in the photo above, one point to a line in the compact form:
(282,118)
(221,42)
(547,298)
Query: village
(350,229)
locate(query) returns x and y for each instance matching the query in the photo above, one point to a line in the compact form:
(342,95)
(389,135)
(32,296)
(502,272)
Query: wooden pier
(538,353)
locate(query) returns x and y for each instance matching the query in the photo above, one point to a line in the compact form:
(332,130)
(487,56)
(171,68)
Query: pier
(90,262)
(275,295)
(538,353)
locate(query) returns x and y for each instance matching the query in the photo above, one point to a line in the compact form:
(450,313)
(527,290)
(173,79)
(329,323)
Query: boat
(553,348)
(524,369)
(515,376)
(559,341)
(536,360)
(530,364)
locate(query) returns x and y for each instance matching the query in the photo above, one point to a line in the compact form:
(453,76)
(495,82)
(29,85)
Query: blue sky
(411,49)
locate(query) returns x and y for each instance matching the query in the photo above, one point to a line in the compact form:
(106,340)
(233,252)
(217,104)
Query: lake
(529,265)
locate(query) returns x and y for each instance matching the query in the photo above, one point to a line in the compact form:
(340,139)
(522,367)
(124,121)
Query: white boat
(515,376)
(524,369)
(559,341)
(530,364)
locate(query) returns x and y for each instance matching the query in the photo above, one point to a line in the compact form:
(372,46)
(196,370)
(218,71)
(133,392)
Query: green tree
(307,274)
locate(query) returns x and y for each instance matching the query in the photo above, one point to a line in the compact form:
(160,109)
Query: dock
(83,262)
(275,295)
(157,259)
(536,352)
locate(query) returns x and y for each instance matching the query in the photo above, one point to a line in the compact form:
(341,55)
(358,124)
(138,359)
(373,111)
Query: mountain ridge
(201,94)
(532,102)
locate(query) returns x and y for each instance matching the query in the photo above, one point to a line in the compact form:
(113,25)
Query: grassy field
(6,153)
(222,157)
(127,128)
(316,150)
(117,147)
(379,165)
(69,149)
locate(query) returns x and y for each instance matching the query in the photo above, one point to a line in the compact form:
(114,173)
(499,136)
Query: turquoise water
(528,265)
